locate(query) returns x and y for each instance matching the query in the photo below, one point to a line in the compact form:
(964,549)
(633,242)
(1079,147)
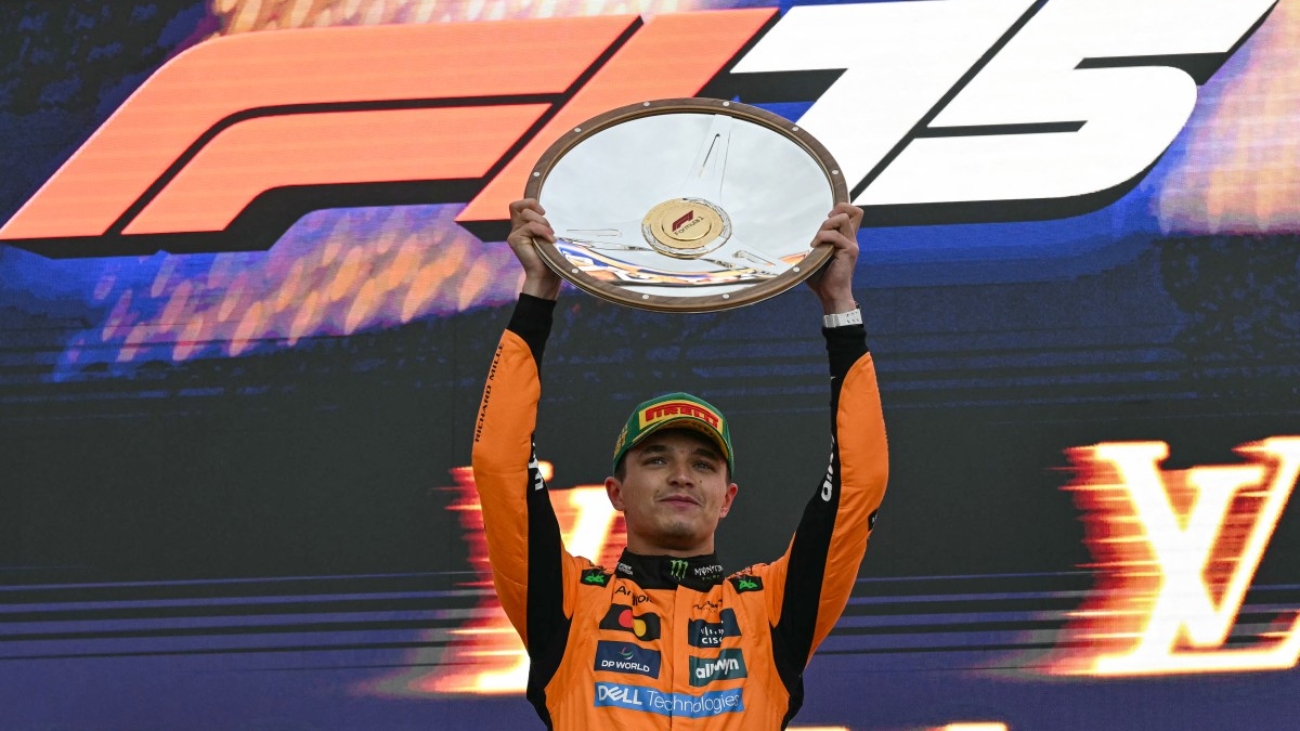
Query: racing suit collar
(668,572)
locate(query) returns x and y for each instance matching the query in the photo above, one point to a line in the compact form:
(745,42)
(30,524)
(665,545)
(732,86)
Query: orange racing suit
(659,642)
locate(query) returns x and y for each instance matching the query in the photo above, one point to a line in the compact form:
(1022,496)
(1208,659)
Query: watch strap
(841,319)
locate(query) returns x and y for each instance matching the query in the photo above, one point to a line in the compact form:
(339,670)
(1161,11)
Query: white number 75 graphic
(976,110)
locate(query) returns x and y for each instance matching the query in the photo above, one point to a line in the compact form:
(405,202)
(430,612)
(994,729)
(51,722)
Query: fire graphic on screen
(1176,552)
(485,655)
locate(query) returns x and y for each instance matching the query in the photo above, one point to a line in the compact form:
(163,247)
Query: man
(665,639)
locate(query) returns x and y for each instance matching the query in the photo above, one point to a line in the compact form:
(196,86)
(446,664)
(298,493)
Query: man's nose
(681,474)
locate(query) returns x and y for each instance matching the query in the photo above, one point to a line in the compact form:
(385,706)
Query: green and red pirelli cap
(678,411)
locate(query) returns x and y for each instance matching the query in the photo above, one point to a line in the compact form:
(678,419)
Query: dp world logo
(625,657)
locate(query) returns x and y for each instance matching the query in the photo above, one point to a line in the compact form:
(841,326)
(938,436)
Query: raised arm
(811,583)
(523,536)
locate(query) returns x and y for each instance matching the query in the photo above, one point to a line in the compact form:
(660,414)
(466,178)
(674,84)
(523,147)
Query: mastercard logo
(642,626)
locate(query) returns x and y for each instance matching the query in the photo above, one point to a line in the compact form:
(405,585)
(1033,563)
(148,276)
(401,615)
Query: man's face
(674,490)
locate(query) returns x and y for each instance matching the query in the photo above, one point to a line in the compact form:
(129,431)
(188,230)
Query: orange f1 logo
(236,138)
(938,112)
(1180,549)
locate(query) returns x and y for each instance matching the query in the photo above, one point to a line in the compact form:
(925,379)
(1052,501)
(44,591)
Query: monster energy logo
(677,568)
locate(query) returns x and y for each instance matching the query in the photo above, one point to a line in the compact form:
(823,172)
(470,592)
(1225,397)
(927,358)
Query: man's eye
(705,466)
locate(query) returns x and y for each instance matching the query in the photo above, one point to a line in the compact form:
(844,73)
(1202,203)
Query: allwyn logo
(728,665)
(977,111)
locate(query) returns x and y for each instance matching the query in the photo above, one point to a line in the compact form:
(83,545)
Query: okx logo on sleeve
(625,657)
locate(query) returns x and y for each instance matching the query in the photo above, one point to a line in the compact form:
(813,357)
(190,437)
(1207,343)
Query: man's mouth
(680,499)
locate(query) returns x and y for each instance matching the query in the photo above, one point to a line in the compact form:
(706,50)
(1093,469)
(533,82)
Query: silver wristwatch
(853,317)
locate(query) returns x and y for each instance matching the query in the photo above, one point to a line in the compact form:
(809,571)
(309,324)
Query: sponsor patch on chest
(683,705)
(643,626)
(702,633)
(625,657)
(729,664)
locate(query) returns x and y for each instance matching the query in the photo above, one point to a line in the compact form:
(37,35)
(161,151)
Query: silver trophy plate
(686,205)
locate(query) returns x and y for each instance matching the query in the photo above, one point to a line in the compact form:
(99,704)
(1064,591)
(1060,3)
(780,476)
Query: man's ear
(614,489)
(732,489)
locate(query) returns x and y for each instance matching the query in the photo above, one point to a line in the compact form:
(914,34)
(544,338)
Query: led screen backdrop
(252,280)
